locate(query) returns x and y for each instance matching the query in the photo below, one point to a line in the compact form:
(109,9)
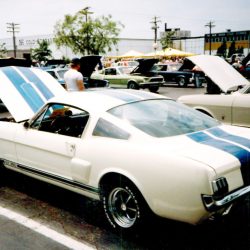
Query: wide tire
(123,205)
(182,82)
(153,89)
(133,85)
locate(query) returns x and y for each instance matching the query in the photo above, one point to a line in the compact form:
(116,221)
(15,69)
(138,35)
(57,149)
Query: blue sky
(38,17)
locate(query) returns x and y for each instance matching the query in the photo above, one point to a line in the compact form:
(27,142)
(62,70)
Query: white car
(231,102)
(136,151)
(58,74)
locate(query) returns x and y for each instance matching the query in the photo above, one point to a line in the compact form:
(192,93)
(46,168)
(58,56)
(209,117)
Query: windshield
(163,118)
(61,73)
(125,70)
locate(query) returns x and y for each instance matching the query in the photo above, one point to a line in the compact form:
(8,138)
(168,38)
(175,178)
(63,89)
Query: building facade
(215,40)
(24,46)
(182,41)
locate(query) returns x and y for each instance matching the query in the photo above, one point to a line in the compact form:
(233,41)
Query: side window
(110,71)
(52,73)
(107,129)
(62,119)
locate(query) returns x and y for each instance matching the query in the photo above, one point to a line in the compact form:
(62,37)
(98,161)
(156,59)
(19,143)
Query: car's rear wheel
(182,82)
(123,205)
(133,85)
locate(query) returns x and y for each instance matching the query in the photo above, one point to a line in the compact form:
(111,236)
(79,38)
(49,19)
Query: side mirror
(26,125)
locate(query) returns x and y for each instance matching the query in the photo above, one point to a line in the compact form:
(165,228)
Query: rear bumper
(213,204)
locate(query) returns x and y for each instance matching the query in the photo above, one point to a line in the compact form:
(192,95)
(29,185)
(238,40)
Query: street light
(86,12)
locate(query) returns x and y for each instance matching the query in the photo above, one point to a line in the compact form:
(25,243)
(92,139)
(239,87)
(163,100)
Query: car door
(241,110)
(48,151)
(112,76)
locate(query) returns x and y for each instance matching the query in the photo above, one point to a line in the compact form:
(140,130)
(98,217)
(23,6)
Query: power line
(13,28)
(155,27)
(210,25)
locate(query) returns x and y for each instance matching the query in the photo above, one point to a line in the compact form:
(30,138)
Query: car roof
(101,100)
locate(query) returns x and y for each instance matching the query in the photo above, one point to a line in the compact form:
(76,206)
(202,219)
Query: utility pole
(155,28)
(210,25)
(13,28)
(86,12)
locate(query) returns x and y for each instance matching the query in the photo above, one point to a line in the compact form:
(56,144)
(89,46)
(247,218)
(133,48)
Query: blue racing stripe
(126,97)
(25,89)
(32,77)
(240,153)
(234,138)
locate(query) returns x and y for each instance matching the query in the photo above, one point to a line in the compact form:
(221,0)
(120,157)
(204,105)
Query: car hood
(25,90)
(219,71)
(88,64)
(144,66)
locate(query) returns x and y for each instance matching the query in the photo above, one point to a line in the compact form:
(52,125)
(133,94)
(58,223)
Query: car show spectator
(73,78)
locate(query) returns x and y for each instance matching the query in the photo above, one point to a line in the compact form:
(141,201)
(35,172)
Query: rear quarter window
(105,128)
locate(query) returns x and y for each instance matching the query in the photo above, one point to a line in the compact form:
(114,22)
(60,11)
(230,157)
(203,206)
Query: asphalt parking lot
(35,215)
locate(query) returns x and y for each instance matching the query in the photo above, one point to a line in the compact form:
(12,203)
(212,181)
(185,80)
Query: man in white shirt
(73,78)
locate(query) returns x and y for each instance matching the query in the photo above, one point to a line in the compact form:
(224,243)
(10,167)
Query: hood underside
(25,90)
(144,66)
(88,64)
(219,71)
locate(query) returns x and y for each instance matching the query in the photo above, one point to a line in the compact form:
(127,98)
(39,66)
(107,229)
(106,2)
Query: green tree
(222,50)
(42,52)
(87,36)
(232,49)
(240,50)
(3,50)
(166,40)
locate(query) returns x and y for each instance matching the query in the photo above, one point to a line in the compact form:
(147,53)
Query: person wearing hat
(73,78)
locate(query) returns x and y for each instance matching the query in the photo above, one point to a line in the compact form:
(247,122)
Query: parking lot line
(45,231)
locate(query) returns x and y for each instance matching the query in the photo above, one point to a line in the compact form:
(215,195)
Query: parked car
(58,74)
(245,71)
(139,77)
(235,57)
(245,67)
(127,63)
(15,62)
(88,65)
(172,72)
(227,100)
(137,152)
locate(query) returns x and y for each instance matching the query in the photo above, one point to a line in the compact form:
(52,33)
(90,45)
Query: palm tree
(42,52)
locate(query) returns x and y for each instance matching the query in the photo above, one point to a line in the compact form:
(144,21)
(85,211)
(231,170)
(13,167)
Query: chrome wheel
(123,207)
(181,82)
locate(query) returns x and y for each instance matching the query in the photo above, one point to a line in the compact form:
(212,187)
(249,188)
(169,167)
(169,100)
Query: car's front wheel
(153,88)
(133,85)
(182,82)
(123,205)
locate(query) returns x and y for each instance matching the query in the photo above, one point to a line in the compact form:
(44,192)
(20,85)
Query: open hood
(144,66)
(219,71)
(25,90)
(88,64)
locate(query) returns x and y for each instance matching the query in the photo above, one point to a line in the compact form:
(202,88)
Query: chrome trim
(212,204)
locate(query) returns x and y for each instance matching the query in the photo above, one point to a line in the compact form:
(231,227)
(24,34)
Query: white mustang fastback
(136,151)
